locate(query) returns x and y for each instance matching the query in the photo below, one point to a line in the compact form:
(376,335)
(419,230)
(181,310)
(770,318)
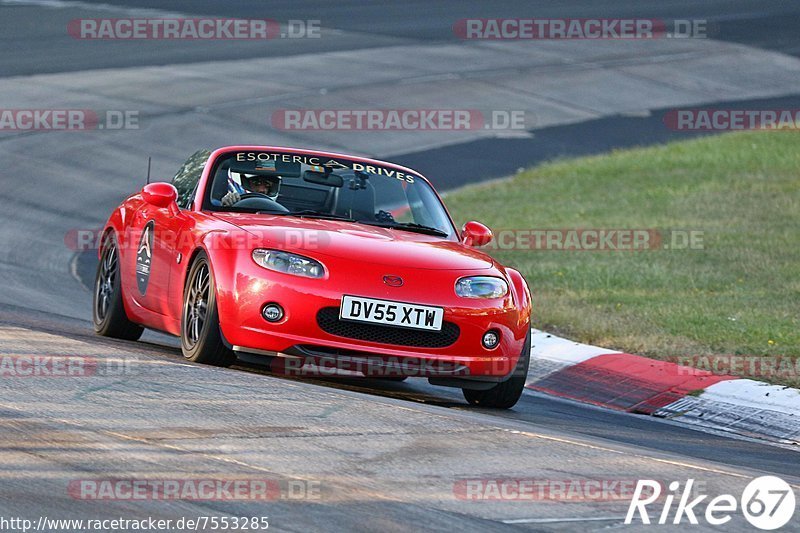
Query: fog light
(491,339)
(272,312)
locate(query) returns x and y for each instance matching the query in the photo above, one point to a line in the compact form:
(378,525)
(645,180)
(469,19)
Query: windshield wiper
(408,226)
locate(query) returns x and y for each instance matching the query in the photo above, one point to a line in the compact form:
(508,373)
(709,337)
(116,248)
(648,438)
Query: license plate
(390,313)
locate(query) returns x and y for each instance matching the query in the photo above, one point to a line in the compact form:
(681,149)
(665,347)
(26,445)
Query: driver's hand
(231,198)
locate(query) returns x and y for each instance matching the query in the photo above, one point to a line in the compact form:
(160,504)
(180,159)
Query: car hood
(359,242)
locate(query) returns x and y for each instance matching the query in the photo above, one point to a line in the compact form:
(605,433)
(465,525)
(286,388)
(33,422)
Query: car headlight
(481,287)
(288,263)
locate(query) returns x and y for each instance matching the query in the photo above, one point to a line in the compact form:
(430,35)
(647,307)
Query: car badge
(393,281)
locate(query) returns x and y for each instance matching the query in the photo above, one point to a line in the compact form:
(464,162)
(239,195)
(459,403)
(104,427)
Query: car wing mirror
(161,195)
(475,234)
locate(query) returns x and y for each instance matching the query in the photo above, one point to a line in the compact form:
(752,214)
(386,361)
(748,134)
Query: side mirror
(160,194)
(475,234)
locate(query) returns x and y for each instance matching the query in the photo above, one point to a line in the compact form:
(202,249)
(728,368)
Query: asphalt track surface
(386,456)
(36,42)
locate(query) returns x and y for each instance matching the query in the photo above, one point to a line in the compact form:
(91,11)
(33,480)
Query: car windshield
(316,186)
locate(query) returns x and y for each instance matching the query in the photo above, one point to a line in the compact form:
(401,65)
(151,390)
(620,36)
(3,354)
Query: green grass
(740,294)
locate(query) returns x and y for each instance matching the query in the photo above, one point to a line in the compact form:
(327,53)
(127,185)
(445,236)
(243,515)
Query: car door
(176,231)
(159,231)
(150,230)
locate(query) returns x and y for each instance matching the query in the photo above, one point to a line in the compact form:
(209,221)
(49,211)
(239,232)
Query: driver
(269,186)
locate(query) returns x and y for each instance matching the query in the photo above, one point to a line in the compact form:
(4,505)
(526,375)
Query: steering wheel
(257,200)
(247,195)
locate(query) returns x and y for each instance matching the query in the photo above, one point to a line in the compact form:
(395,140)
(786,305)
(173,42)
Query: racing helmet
(244,183)
(256,183)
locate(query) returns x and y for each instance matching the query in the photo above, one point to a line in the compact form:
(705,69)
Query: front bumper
(299,333)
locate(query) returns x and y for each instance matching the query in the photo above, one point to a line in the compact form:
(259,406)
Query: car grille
(328,320)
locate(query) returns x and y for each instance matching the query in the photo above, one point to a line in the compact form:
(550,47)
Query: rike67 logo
(768,503)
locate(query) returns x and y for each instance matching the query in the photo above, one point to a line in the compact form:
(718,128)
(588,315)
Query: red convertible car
(315,258)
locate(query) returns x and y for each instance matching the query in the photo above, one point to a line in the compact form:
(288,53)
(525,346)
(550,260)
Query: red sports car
(315,259)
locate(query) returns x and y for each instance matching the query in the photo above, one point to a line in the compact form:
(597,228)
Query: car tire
(504,395)
(201,338)
(108,309)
